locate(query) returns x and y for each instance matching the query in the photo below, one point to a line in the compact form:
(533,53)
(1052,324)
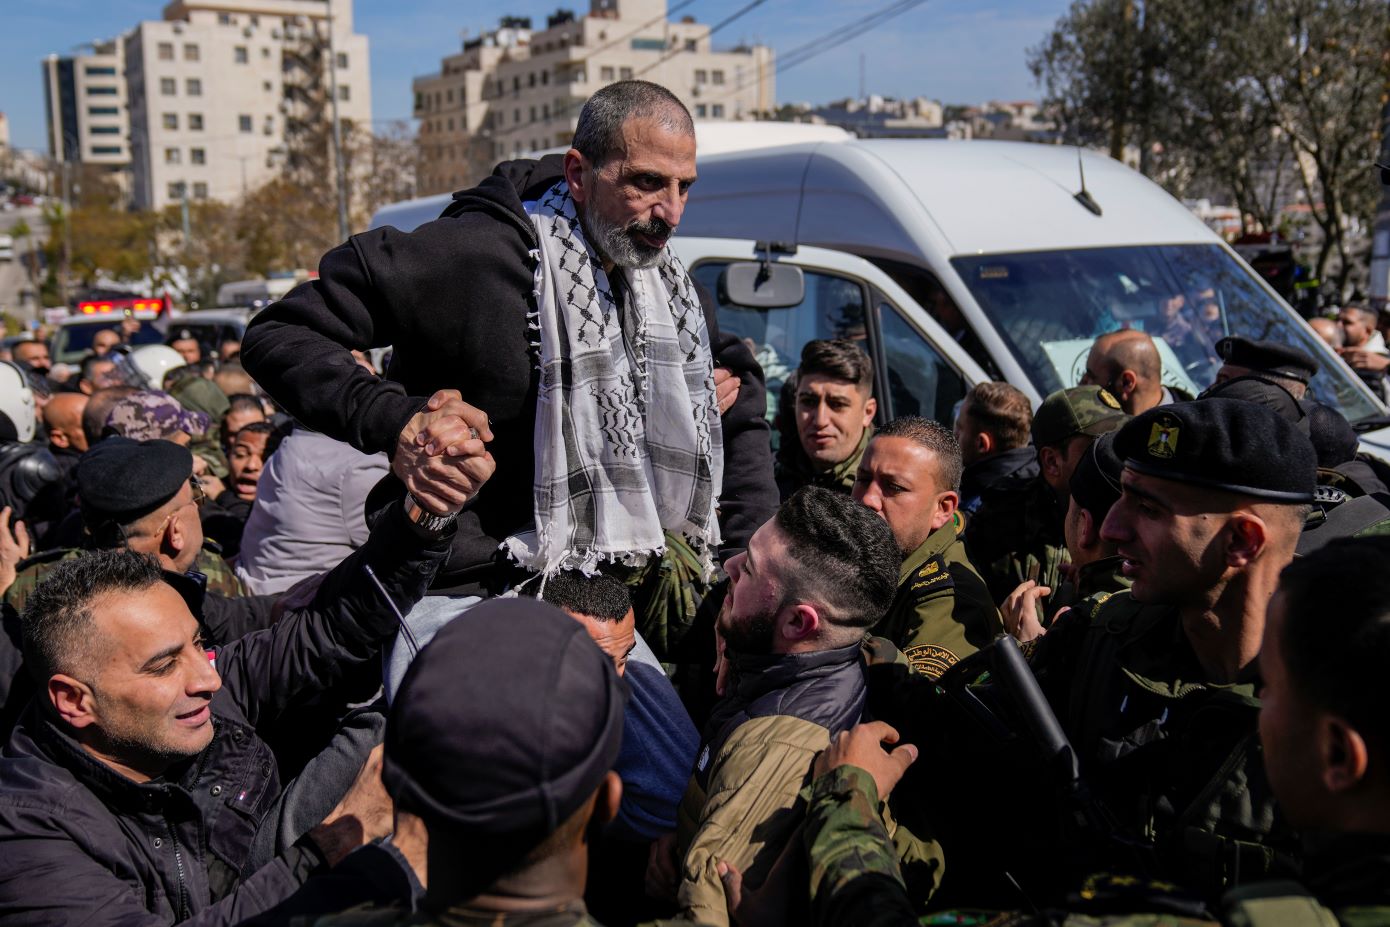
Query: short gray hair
(600,130)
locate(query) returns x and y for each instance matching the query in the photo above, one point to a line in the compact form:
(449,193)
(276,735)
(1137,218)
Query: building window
(690,45)
(545,77)
(545,110)
(717,111)
(168,86)
(269,127)
(171,156)
(533,114)
(244,123)
(101,91)
(106,130)
(701,76)
(194,87)
(166,51)
(103,111)
(177,190)
(171,120)
(195,122)
(103,71)
(265,51)
(344,92)
(197,156)
(449,95)
(342,61)
(516,116)
(225,19)
(606,73)
(200,190)
(190,52)
(239,55)
(718,76)
(516,87)
(267,86)
(701,111)
(625,73)
(531,79)
(106,149)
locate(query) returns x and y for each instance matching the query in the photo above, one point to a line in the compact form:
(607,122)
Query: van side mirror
(762,285)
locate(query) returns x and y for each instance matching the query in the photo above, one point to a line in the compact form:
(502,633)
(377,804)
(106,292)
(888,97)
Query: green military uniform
(793,468)
(1086,581)
(1175,759)
(32,570)
(942,611)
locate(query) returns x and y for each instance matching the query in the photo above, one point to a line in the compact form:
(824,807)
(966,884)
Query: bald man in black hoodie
(454,298)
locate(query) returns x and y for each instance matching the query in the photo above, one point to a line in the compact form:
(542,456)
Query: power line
(741,11)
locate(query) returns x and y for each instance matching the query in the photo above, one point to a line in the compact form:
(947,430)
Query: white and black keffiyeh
(628,443)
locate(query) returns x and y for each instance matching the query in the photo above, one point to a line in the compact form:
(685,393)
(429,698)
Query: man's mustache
(655,227)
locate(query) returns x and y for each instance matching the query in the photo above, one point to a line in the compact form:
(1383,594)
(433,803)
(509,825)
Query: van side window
(920,381)
(928,293)
(834,307)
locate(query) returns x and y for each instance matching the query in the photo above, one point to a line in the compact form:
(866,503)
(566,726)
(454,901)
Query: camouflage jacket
(942,611)
(32,570)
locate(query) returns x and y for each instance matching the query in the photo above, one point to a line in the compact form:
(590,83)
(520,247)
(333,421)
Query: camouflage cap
(152,414)
(1081,410)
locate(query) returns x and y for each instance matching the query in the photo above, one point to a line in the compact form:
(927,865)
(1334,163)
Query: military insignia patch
(931,577)
(1109,399)
(930,660)
(1163,439)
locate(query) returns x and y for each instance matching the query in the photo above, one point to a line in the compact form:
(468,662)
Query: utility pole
(343,231)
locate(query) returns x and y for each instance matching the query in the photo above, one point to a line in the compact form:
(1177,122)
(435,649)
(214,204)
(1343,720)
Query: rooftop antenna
(1083,196)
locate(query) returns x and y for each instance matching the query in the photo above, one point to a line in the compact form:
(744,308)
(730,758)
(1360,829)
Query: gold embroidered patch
(1163,440)
(1107,398)
(930,660)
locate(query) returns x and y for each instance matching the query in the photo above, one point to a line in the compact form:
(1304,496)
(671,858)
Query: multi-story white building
(86,107)
(517,89)
(221,92)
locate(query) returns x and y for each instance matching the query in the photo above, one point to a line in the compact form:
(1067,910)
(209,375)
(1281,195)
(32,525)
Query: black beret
(1269,357)
(1226,444)
(506,722)
(1333,437)
(1095,483)
(120,479)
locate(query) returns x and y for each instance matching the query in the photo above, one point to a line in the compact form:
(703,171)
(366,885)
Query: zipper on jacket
(183,913)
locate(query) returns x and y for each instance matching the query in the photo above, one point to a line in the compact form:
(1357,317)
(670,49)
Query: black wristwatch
(426,520)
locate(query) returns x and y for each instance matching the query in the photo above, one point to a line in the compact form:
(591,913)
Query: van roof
(970,197)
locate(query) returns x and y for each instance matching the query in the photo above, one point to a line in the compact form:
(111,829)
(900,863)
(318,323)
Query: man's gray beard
(617,244)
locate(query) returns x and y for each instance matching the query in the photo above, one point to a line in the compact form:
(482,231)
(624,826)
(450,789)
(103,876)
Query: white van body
(943,221)
(254,294)
(6,247)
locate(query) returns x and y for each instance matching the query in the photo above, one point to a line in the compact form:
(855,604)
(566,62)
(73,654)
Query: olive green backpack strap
(1275,904)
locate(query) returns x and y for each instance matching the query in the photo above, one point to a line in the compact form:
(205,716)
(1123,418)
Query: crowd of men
(533,627)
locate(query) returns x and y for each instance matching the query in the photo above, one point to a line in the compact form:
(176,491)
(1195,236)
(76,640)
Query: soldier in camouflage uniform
(942,611)
(834,412)
(1016,535)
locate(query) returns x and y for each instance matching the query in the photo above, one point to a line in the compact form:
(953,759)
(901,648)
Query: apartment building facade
(518,89)
(86,108)
(219,89)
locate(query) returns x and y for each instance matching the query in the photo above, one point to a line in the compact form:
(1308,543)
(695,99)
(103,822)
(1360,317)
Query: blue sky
(958,51)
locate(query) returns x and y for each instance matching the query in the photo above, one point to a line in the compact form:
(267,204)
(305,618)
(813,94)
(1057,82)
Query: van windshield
(1050,305)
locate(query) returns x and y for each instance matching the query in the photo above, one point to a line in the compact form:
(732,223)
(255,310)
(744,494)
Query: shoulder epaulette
(930,579)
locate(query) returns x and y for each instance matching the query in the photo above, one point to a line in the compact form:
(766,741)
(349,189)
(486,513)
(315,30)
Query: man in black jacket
(133,788)
(458,300)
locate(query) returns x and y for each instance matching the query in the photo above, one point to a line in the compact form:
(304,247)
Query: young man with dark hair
(814,579)
(139,774)
(992,430)
(834,412)
(1364,349)
(941,611)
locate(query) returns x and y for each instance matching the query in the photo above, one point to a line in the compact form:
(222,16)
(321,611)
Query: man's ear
(1344,756)
(1127,381)
(58,438)
(72,699)
(1090,531)
(610,796)
(575,163)
(1050,460)
(175,538)
(800,622)
(946,505)
(870,410)
(1247,536)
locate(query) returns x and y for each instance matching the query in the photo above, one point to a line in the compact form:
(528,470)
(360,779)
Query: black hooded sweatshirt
(452,299)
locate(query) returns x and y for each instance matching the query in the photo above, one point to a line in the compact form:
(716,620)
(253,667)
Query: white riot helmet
(17,400)
(146,365)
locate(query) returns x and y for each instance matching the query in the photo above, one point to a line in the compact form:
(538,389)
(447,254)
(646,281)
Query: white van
(962,261)
(255,294)
(6,247)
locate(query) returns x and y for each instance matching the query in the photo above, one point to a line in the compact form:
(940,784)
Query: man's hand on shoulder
(862,746)
(441,454)
(726,387)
